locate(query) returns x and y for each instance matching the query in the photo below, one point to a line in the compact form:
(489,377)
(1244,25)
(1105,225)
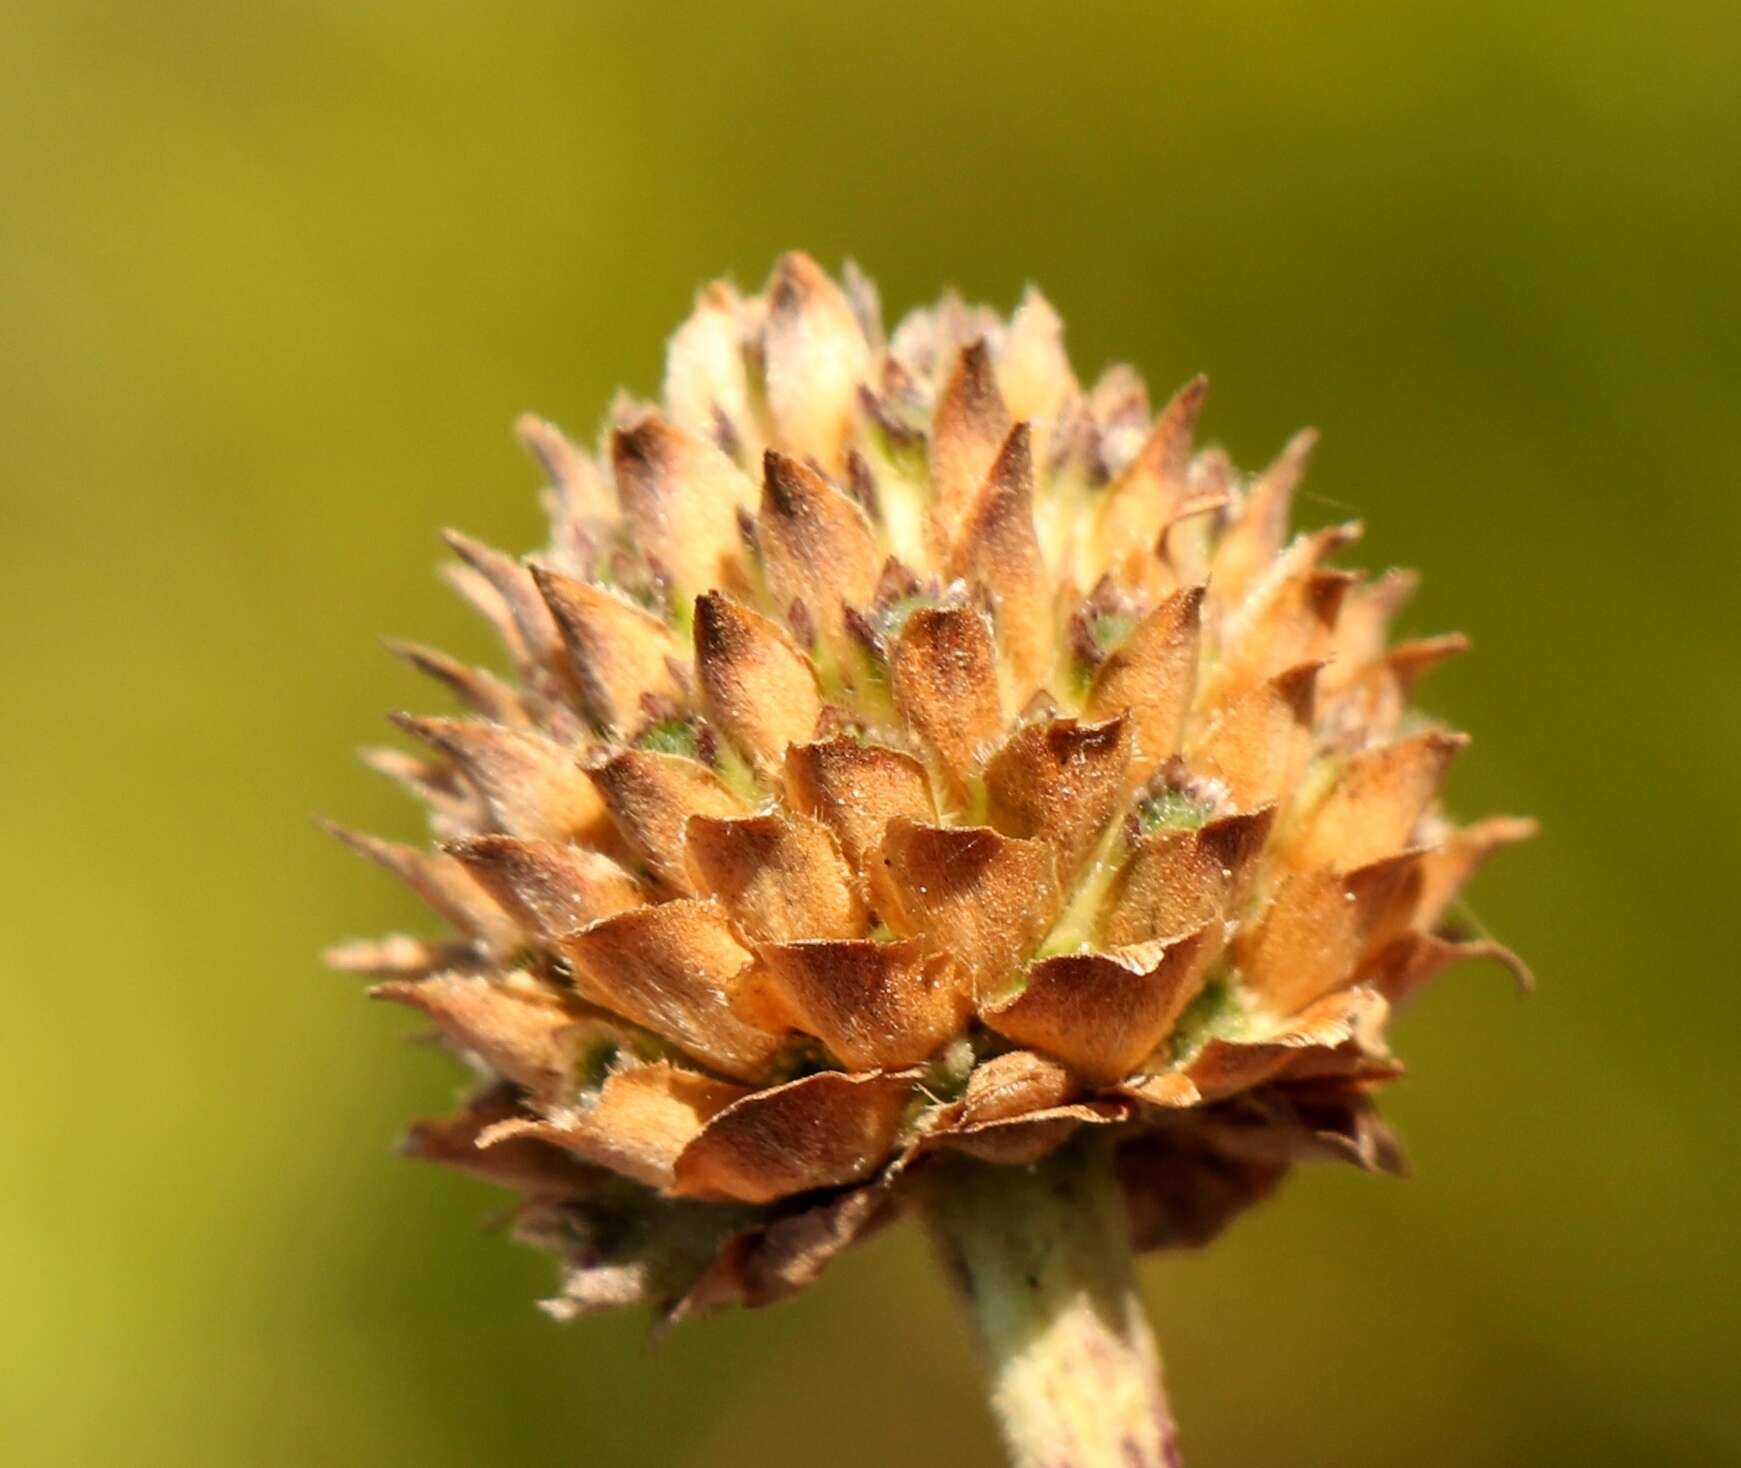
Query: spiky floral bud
(911,752)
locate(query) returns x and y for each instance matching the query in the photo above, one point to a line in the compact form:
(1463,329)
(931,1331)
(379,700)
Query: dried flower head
(909,752)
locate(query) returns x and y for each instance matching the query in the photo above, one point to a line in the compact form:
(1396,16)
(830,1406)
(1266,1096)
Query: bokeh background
(275,276)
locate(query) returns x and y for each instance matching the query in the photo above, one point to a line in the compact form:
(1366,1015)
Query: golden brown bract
(908,749)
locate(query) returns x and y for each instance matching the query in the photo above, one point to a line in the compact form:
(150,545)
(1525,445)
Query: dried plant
(923,782)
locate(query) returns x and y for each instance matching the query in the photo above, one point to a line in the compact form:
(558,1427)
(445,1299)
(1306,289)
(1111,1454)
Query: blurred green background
(276,278)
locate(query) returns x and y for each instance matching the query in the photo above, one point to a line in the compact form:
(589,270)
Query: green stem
(1043,1260)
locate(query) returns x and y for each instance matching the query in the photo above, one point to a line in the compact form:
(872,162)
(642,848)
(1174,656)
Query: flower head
(910,750)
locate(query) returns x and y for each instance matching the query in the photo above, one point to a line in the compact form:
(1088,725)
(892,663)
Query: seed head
(906,750)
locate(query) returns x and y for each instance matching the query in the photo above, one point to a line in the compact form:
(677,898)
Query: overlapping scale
(907,750)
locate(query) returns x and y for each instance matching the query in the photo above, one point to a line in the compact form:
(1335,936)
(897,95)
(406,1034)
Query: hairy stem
(1043,1260)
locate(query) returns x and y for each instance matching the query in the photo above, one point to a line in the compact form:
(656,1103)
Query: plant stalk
(1042,1258)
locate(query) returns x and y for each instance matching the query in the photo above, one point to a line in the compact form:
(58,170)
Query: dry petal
(786,1255)
(1372,809)
(1287,621)
(537,643)
(1345,1125)
(619,653)
(1103,1013)
(582,490)
(652,796)
(967,430)
(548,889)
(1367,612)
(1410,961)
(1148,494)
(644,1117)
(1224,1067)
(998,549)
(1021,1141)
(857,789)
(482,692)
(1256,536)
(526,1165)
(1446,869)
(438,880)
(1060,782)
(817,547)
(1182,1189)
(1014,1084)
(1258,743)
(1372,700)
(944,676)
(532,785)
(488,603)
(872,1004)
(1312,936)
(817,1132)
(673,969)
(1171,1090)
(706,387)
(1152,676)
(779,877)
(1178,880)
(397,956)
(519,1033)
(759,688)
(681,497)
(453,802)
(623,1248)
(983,897)
(816,357)
(1033,371)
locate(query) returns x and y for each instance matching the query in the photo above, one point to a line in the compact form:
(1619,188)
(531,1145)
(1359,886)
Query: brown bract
(967,429)
(905,749)
(1151,677)
(1061,781)
(858,790)
(620,653)
(547,888)
(652,797)
(780,876)
(944,673)
(983,898)
(1103,1013)
(872,1004)
(672,969)
(758,687)
(998,549)
(819,552)
(681,499)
